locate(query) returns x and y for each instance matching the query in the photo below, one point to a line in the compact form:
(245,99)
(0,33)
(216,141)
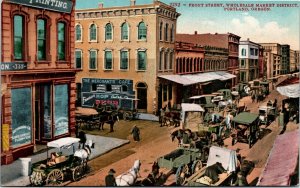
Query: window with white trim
(166,31)
(78,59)
(160,66)
(166,61)
(108,62)
(78,31)
(93,60)
(124,60)
(93,32)
(124,31)
(142,31)
(160,30)
(171,60)
(141,60)
(108,31)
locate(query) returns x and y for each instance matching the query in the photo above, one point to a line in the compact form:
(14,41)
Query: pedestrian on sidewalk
(135,133)
(110,180)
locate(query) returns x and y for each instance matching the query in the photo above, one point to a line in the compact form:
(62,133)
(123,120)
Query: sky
(278,25)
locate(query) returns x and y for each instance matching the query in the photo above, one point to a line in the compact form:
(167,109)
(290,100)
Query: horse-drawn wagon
(128,109)
(245,128)
(182,161)
(56,169)
(220,169)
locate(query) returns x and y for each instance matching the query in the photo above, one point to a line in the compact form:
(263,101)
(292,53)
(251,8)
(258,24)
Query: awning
(290,87)
(282,161)
(190,79)
(67,141)
(191,107)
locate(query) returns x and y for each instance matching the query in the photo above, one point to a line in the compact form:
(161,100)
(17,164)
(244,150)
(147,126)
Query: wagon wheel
(37,178)
(55,177)
(197,165)
(181,173)
(77,173)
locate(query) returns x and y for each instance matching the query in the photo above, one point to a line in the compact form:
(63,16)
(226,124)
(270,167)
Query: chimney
(132,2)
(196,33)
(100,5)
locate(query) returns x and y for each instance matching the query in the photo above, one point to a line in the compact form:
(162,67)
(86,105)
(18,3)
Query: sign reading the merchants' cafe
(55,5)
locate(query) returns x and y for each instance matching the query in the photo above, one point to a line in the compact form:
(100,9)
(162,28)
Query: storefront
(37,75)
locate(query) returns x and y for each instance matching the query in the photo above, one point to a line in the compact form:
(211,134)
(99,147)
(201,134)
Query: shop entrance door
(43,112)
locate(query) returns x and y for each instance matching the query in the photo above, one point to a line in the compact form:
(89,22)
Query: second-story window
(108,32)
(160,66)
(124,31)
(18,37)
(93,32)
(142,31)
(41,39)
(160,31)
(166,32)
(93,60)
(78,59)
(141,60)
(166,61)
(108,64)
(61,49)
(172,34)
(243,52)
(78,33)
(171,61)
(124,60)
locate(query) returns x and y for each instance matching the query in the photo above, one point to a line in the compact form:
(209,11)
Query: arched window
(160,60)
(142,31)
(41,39)
(160,30)
(78,33)
(166,31)
(93,32)
(172,34)
(61,40)
(166,61)
(108,32)
(124,31)
(171,61)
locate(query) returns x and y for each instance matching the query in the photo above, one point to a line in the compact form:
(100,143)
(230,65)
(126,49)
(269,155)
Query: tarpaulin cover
(63,142)
(292,91)
(282,161)
(226,157)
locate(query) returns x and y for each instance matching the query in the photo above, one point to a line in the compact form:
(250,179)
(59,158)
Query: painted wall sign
(106,91)
(55,5)
(12,66)
(21,135)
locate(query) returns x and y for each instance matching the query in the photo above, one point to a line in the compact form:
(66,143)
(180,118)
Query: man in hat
(110,178)
(136,133)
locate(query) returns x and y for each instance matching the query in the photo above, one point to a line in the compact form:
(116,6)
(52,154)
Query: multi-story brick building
(37,74)
(285,59)
(249,57)
(121,51)
(297,59)
(272,58)
(292,61)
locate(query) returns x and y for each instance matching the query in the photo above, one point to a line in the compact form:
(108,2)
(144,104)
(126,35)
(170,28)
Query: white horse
(85,152)
(129,178)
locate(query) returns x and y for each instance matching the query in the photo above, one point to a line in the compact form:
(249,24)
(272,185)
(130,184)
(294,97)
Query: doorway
(142,95)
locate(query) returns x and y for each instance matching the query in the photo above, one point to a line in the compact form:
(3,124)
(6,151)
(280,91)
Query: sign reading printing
(12,66)
(55,5)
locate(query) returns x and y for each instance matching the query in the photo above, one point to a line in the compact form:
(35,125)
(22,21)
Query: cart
(229,162)
(64,167)
(183,161)
(246,128)
(267,114)
(128,108)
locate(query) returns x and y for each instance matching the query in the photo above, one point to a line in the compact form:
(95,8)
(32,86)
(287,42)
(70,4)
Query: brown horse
(109,118)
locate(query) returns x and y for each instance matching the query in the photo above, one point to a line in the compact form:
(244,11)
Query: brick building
(37,75)
(285,59)
(121,51)
(272,58)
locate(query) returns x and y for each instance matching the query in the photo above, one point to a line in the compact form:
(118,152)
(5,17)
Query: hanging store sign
(55,5)
(12,66)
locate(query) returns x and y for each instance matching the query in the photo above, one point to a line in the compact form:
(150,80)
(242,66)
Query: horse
(85,152)
(213,171)
(129,178)
(109,118)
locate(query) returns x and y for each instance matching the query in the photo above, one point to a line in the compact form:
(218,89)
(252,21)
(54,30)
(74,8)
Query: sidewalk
(149,117)
(11,174)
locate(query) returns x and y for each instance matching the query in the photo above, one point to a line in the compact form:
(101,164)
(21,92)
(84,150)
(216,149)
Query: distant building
(272,58)
(121,51)
(285,59)
(249,58)
(292,61)
(262,66)
(297,60)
